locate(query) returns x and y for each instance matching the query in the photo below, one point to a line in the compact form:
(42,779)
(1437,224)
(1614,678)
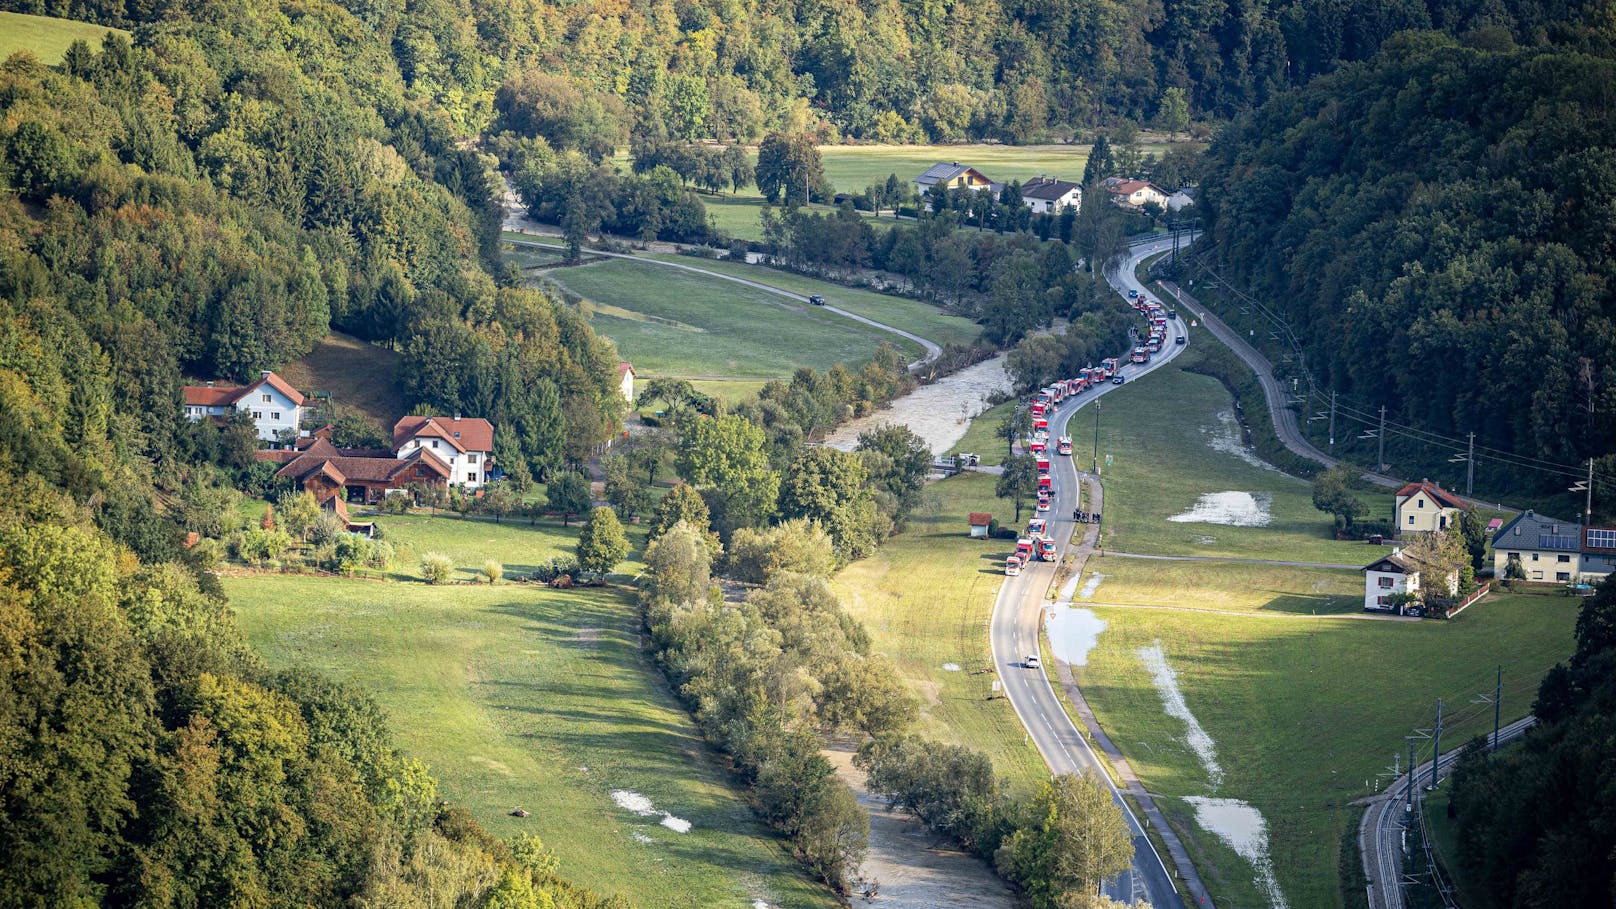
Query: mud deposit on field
(1231,509)
(1073,633)
(1228,438)
(1241,827)
(940,412)
(915,869)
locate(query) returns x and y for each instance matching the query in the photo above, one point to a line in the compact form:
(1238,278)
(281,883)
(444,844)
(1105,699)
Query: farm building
(465,444)
(349,474)
(979,521)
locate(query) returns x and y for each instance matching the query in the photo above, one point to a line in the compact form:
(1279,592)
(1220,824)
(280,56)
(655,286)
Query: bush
(396,503)
(326,528)
(493,571)
(261,547)
(436,568)
(556,567)
(380,555)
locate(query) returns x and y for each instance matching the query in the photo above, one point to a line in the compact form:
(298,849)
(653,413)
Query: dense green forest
(1534,820)
(1437,227)
(891,71)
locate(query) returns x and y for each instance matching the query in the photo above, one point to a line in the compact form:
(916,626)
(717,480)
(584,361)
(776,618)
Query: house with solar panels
(1553,551)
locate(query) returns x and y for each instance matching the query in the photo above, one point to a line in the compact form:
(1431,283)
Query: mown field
(1173,439)
(522,696)
(1230,586)
(983,438)
(926,598)
(678,323)
(1304,712)
(47,37)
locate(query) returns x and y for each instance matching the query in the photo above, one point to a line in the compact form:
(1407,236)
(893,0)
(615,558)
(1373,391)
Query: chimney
(210,383)
(263,373)
(457,418)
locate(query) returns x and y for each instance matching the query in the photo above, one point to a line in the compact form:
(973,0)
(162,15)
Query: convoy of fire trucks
(1037,542)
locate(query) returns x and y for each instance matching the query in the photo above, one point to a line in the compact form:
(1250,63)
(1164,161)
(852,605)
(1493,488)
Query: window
(471,457)
(267,399)
(1534,557)
(1537,574)
(258,415)
(1562,575)
(1411,519)
(1514,557)
(1563,559)
(274,415)
(434,443)
(1421,503)
(471,477)
(1385,583)
(1383,601)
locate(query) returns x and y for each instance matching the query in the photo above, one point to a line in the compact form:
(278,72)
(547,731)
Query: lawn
(517,545)
(48,38)
(1173,438)
(921,318)
(677,323)
(1305,712)
(926,598)
(983,438)
(522,696)
(356,373)
(1230,586)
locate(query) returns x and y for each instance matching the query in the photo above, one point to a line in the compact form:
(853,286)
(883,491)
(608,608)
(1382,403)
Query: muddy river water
(940,412)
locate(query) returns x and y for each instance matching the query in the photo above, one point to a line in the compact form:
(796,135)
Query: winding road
(1015,626)
(933,351)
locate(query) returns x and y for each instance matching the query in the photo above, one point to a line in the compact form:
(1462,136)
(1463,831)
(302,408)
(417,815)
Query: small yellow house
(1425,507)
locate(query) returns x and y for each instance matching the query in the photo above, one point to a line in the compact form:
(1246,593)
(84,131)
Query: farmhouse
(951,176)
(1045,195)
(1396,574)
(625,381)
(1135,193)
(466,445)
(1542,548)
(275,406)
(1424,507)
(348,474)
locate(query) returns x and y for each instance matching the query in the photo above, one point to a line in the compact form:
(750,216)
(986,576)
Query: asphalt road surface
(1015,623)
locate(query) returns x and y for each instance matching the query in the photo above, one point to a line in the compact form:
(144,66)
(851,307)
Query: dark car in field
(817,300)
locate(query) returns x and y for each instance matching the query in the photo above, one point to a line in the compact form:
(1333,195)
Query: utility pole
(1588,510)
(1436,743)
(1498,703)
(1380,460)
(1470,465)
(1332,422)
(1408,791)
(1095,467)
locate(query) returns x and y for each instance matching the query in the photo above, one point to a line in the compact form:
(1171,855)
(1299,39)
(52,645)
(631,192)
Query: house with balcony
(275,407)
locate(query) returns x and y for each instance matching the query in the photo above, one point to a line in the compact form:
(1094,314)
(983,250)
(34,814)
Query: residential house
(364,476)
(1424,507)
(275,407)
(466,445)
(1045,195)
(625,381)
(1184,198)
(979,521)
(951,176)
(1598,553)
(1135,194)
(1547,549)
(1395,574)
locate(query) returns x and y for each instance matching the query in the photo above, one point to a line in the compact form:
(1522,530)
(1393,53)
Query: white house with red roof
(625,381)
(466,444)
(273,404)
(1425,507)
(1135,193)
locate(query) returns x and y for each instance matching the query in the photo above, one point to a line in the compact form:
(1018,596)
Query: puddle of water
(676,824)
(1231,509)
(1069,588)
(1242,828)
(939,413)
(951,667)
(759,904)
(629,800)
(1073,633)
(641,837)
(1173,703)
(1091,585)
(1227,438)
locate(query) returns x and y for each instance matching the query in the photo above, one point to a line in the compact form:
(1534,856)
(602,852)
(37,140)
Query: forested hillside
(1437,228)
(896,70)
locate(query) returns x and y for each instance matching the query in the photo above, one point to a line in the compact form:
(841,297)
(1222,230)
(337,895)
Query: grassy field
(48,38)
(358,375)
(1230,586)
(673,323)
(518,546)
(983,438)
(1173,439)
(519,695)
(915,316)
(1304,712)
(926,598)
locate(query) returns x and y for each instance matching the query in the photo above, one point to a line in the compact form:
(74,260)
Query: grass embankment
(1174,438)
(520,695)
(926,598)
(48,38)
(356,373)
(921,318)
(677,323)
(1304,711)
(983,438)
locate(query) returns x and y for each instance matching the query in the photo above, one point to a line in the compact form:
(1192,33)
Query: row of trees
(568,190)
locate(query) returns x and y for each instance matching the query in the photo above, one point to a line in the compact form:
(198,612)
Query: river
(940,412)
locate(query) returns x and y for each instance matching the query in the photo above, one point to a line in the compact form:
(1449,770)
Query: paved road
(1380,833)
(932,350)
(1015,626)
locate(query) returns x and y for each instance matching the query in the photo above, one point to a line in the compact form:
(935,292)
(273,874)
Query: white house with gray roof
(1046,195)
(1554,551)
